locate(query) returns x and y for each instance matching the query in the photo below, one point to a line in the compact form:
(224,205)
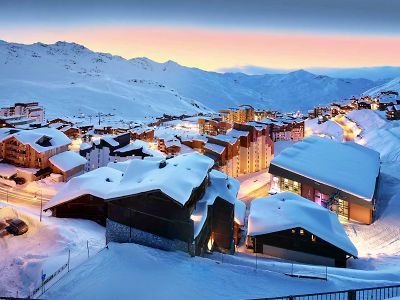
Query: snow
(7,170)
(44,247)
(346,166)
(177,179)
(31,137)
(226,138)
(172,143)
(287,210)
(129,147)
(85,146)
(392,85)
(328,129)
(240,212)
(214,147)
(110,140)
(252,182)
(67,160)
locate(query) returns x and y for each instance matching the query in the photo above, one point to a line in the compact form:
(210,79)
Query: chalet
(393,112)
(170,146)
(71,132)
(291,227)
(41,149)
(142,133)
(342,177)
(169,204)
(196,143)
(213,126)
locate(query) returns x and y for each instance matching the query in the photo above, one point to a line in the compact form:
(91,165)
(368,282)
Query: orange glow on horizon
(213,49)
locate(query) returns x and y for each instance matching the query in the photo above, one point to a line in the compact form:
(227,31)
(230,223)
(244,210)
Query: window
(313,238)
(301,231)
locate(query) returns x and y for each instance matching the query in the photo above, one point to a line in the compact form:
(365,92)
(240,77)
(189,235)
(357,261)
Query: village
(283,189)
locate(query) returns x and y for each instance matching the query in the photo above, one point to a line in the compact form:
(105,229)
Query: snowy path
(128,271)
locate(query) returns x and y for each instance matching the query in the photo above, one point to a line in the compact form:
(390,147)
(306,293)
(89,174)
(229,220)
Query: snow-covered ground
(128,270)
(43,248)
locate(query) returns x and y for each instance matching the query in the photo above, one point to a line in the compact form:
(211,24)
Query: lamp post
(41,204)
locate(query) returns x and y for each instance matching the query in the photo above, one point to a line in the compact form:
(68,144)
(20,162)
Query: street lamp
(41,205)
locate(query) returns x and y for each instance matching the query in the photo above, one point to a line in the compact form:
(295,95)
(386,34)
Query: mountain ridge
(63,73)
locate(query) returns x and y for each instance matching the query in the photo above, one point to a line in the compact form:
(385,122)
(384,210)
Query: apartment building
(28,110)
(245,149)
(242,114)
(286,128)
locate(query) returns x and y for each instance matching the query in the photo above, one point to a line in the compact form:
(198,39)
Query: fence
(270,265)
(377,293)
(71,262)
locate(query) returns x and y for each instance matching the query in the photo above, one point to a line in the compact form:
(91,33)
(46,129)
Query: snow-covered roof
(85,146)
(67,160)
(32,137)
(221,186)
(258,126)
(287,210)
(176,179)
(172,143)
(349,167)
(214,147)
(129,147)
(237,133)
(7,170)
(110,140)
(226,138)
(240,212)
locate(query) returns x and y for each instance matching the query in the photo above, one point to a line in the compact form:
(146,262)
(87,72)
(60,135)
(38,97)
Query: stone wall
(120,233)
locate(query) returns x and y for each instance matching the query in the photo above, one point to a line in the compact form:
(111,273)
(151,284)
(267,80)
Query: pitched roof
(176,179)
(287,210)
(67,160)
(349,167)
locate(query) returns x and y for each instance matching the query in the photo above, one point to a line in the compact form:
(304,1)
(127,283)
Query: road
(258,193)
(350,128)
(19,197)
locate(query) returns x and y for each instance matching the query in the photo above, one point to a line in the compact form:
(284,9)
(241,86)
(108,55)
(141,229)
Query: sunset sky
(213,35)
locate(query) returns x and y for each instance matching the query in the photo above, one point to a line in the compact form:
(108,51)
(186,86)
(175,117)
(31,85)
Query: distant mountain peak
(301,72)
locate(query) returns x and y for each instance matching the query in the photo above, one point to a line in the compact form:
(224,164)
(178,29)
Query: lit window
(313,238)
(301,231)
(293,231)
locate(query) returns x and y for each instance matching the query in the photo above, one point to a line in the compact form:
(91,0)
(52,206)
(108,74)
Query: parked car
(17,227)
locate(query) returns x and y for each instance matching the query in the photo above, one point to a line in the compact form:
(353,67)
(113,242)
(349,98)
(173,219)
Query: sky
(216,35)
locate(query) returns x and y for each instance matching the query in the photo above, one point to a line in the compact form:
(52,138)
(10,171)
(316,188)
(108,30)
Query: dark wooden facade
(84,207)
(158,214)
(300,240)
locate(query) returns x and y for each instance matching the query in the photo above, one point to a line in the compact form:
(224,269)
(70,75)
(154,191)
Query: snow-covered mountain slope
(69,79)
(302,88)
(392,85)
